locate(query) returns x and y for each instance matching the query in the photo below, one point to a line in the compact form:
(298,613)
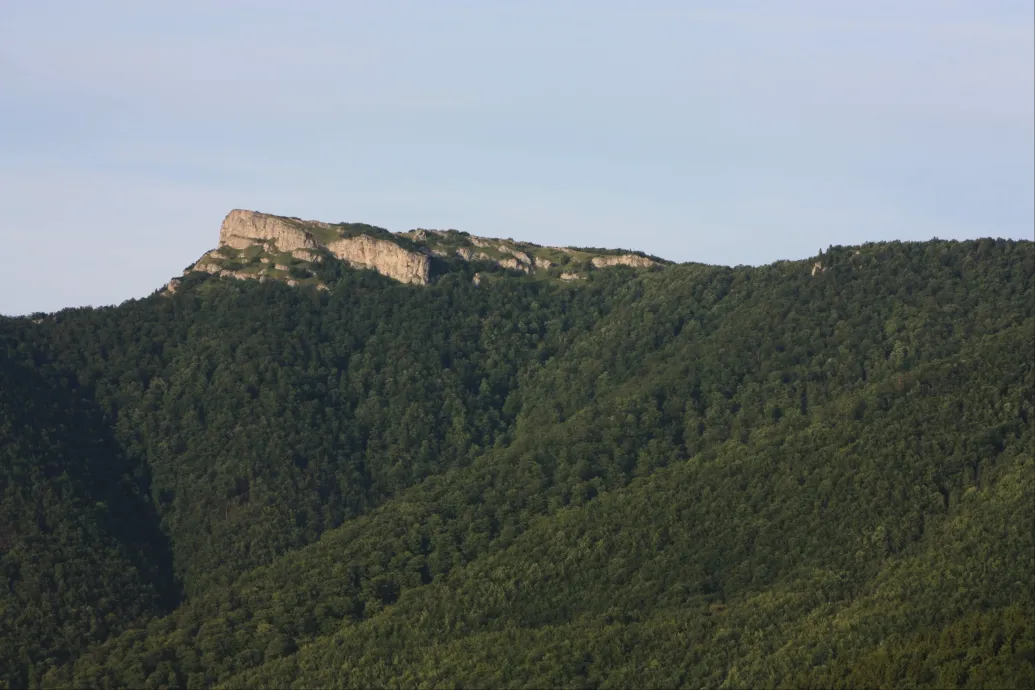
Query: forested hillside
(684,476)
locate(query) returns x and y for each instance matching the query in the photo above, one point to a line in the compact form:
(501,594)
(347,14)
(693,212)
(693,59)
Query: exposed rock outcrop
(513,264)
(504,249)
(210,262)
(207,267)
(259,246)
(239,275)
(468,254)
(243,229)
(383,256)
(623,260)
(306,255)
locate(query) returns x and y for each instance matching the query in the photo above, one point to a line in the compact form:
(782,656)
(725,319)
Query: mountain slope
(266,415)
(672,452)
(774,579)
(80,549)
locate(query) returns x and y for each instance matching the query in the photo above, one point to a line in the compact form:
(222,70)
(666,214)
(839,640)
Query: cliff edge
(261,246)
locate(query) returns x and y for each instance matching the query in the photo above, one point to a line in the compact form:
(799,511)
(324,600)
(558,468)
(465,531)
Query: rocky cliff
(633,260)
(385,257)
(251,238)
(243,229)
(266,247)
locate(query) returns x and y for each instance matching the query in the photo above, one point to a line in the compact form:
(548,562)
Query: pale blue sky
(729,132)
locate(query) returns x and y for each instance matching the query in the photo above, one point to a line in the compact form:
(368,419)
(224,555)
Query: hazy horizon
(746,135)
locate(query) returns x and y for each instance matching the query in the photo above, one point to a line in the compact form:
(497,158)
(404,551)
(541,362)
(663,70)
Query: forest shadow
(48,411)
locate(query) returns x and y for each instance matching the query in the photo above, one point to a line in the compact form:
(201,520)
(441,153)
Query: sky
(731,132)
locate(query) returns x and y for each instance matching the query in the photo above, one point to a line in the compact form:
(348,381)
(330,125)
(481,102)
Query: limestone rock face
(239,275)
(210,262)
(468,254)
(521,256)
(517,254)
(387,258)
(243,229)
(513,264)
(207,267)
(264,247)
(623,260)
(306,255)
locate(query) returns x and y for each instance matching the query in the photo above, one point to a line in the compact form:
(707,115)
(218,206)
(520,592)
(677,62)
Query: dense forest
(688,476)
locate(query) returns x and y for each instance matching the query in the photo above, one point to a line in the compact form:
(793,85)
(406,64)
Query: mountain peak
(262,246)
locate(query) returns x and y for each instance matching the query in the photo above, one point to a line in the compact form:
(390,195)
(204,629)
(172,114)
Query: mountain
(814,473)
(264,247)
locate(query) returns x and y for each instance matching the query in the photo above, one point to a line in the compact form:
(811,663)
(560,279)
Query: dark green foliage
(80,551)
(268,415)
(696,476)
